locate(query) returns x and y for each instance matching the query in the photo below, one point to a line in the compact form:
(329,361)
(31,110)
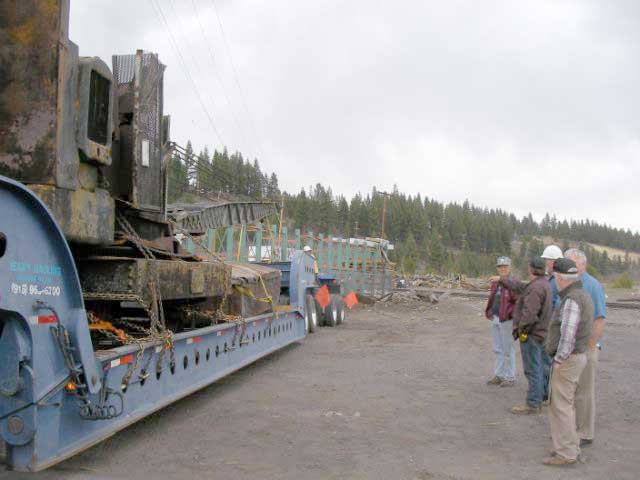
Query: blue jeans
(547,361)
(533,364)
(505,349)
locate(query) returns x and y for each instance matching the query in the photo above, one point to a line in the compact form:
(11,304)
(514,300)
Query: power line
(235,76)
(196,61)
(191,159)
(186,70)
(218,77)
(203,173)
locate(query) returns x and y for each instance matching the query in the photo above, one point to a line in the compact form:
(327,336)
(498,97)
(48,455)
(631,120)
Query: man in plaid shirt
(567,344)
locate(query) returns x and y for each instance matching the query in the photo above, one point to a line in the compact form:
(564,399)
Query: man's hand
(494,278)
(596,333)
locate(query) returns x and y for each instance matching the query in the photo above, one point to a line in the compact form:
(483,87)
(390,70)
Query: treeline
(600,264)
(586,231)
(218,173)
(428,235)
(431,236)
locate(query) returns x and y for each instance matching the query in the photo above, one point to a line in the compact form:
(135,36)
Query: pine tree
(204,179)
(436,253)
(191,169)
(273,190)
(177,174)
(342,220)
(410,259)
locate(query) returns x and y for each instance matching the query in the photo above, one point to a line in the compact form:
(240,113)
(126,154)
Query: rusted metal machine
(93,146)
(104,317)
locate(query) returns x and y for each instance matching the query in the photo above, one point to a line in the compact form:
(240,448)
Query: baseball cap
(503,262)
(565,265)
(537,263)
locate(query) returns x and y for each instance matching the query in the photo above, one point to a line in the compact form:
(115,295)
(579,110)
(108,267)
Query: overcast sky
(525,106)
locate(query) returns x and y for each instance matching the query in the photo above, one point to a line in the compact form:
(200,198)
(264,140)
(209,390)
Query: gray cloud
(526,106)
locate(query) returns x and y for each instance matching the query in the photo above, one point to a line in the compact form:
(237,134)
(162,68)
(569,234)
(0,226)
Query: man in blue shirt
(585,399)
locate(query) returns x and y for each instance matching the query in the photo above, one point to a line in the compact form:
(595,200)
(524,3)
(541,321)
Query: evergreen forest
(428,236)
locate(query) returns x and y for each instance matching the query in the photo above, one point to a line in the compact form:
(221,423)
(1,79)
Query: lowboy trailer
(104,317)
(58,395)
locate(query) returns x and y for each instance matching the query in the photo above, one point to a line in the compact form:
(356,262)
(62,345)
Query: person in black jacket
(530,323)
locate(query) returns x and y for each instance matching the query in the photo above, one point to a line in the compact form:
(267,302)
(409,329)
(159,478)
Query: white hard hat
(307,248)
(552,252)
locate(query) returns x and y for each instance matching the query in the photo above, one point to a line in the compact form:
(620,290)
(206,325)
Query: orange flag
(351,299)
(322,296)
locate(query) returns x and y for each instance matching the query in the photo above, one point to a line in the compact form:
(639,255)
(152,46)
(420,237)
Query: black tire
(342,312)
(333,311)
(310,314)
(322,314)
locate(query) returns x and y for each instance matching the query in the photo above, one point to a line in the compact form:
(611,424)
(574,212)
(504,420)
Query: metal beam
(197,218)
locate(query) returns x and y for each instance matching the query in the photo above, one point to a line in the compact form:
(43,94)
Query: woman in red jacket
(500,311)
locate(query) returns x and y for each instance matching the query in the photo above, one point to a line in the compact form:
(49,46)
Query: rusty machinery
(104,317)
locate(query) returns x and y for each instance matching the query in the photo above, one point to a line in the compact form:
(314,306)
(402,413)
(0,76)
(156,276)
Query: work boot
(557,461)
(526,410)
(495,381)
(508,383)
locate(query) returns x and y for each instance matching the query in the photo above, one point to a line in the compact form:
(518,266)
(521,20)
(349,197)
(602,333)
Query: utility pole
(386,195)
(279,242)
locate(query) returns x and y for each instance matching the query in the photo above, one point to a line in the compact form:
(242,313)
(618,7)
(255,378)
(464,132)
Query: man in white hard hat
(585,394)
(309,251)
(550,255)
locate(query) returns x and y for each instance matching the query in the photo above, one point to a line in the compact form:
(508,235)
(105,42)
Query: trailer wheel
(342,313)
(333,311)
(311,314)
(322,314)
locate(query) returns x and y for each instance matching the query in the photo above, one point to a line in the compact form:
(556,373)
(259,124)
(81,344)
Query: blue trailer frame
(42,316)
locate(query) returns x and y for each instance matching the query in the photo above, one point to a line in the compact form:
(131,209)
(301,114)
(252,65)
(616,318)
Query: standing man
(586,393)
(530,323)
(567,344)
(500,311)
(550,254)
(309,251)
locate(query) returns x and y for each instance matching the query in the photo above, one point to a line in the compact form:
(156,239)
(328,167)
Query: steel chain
(158,326)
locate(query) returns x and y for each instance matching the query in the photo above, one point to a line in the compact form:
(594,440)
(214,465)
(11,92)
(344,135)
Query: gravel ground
(397,393)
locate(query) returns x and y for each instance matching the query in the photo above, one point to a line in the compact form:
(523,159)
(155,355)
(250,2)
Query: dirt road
(397,393)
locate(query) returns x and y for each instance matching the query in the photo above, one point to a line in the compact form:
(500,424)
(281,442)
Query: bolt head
(15,425)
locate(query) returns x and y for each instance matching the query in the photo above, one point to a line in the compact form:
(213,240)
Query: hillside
(429,235)
(613,252)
